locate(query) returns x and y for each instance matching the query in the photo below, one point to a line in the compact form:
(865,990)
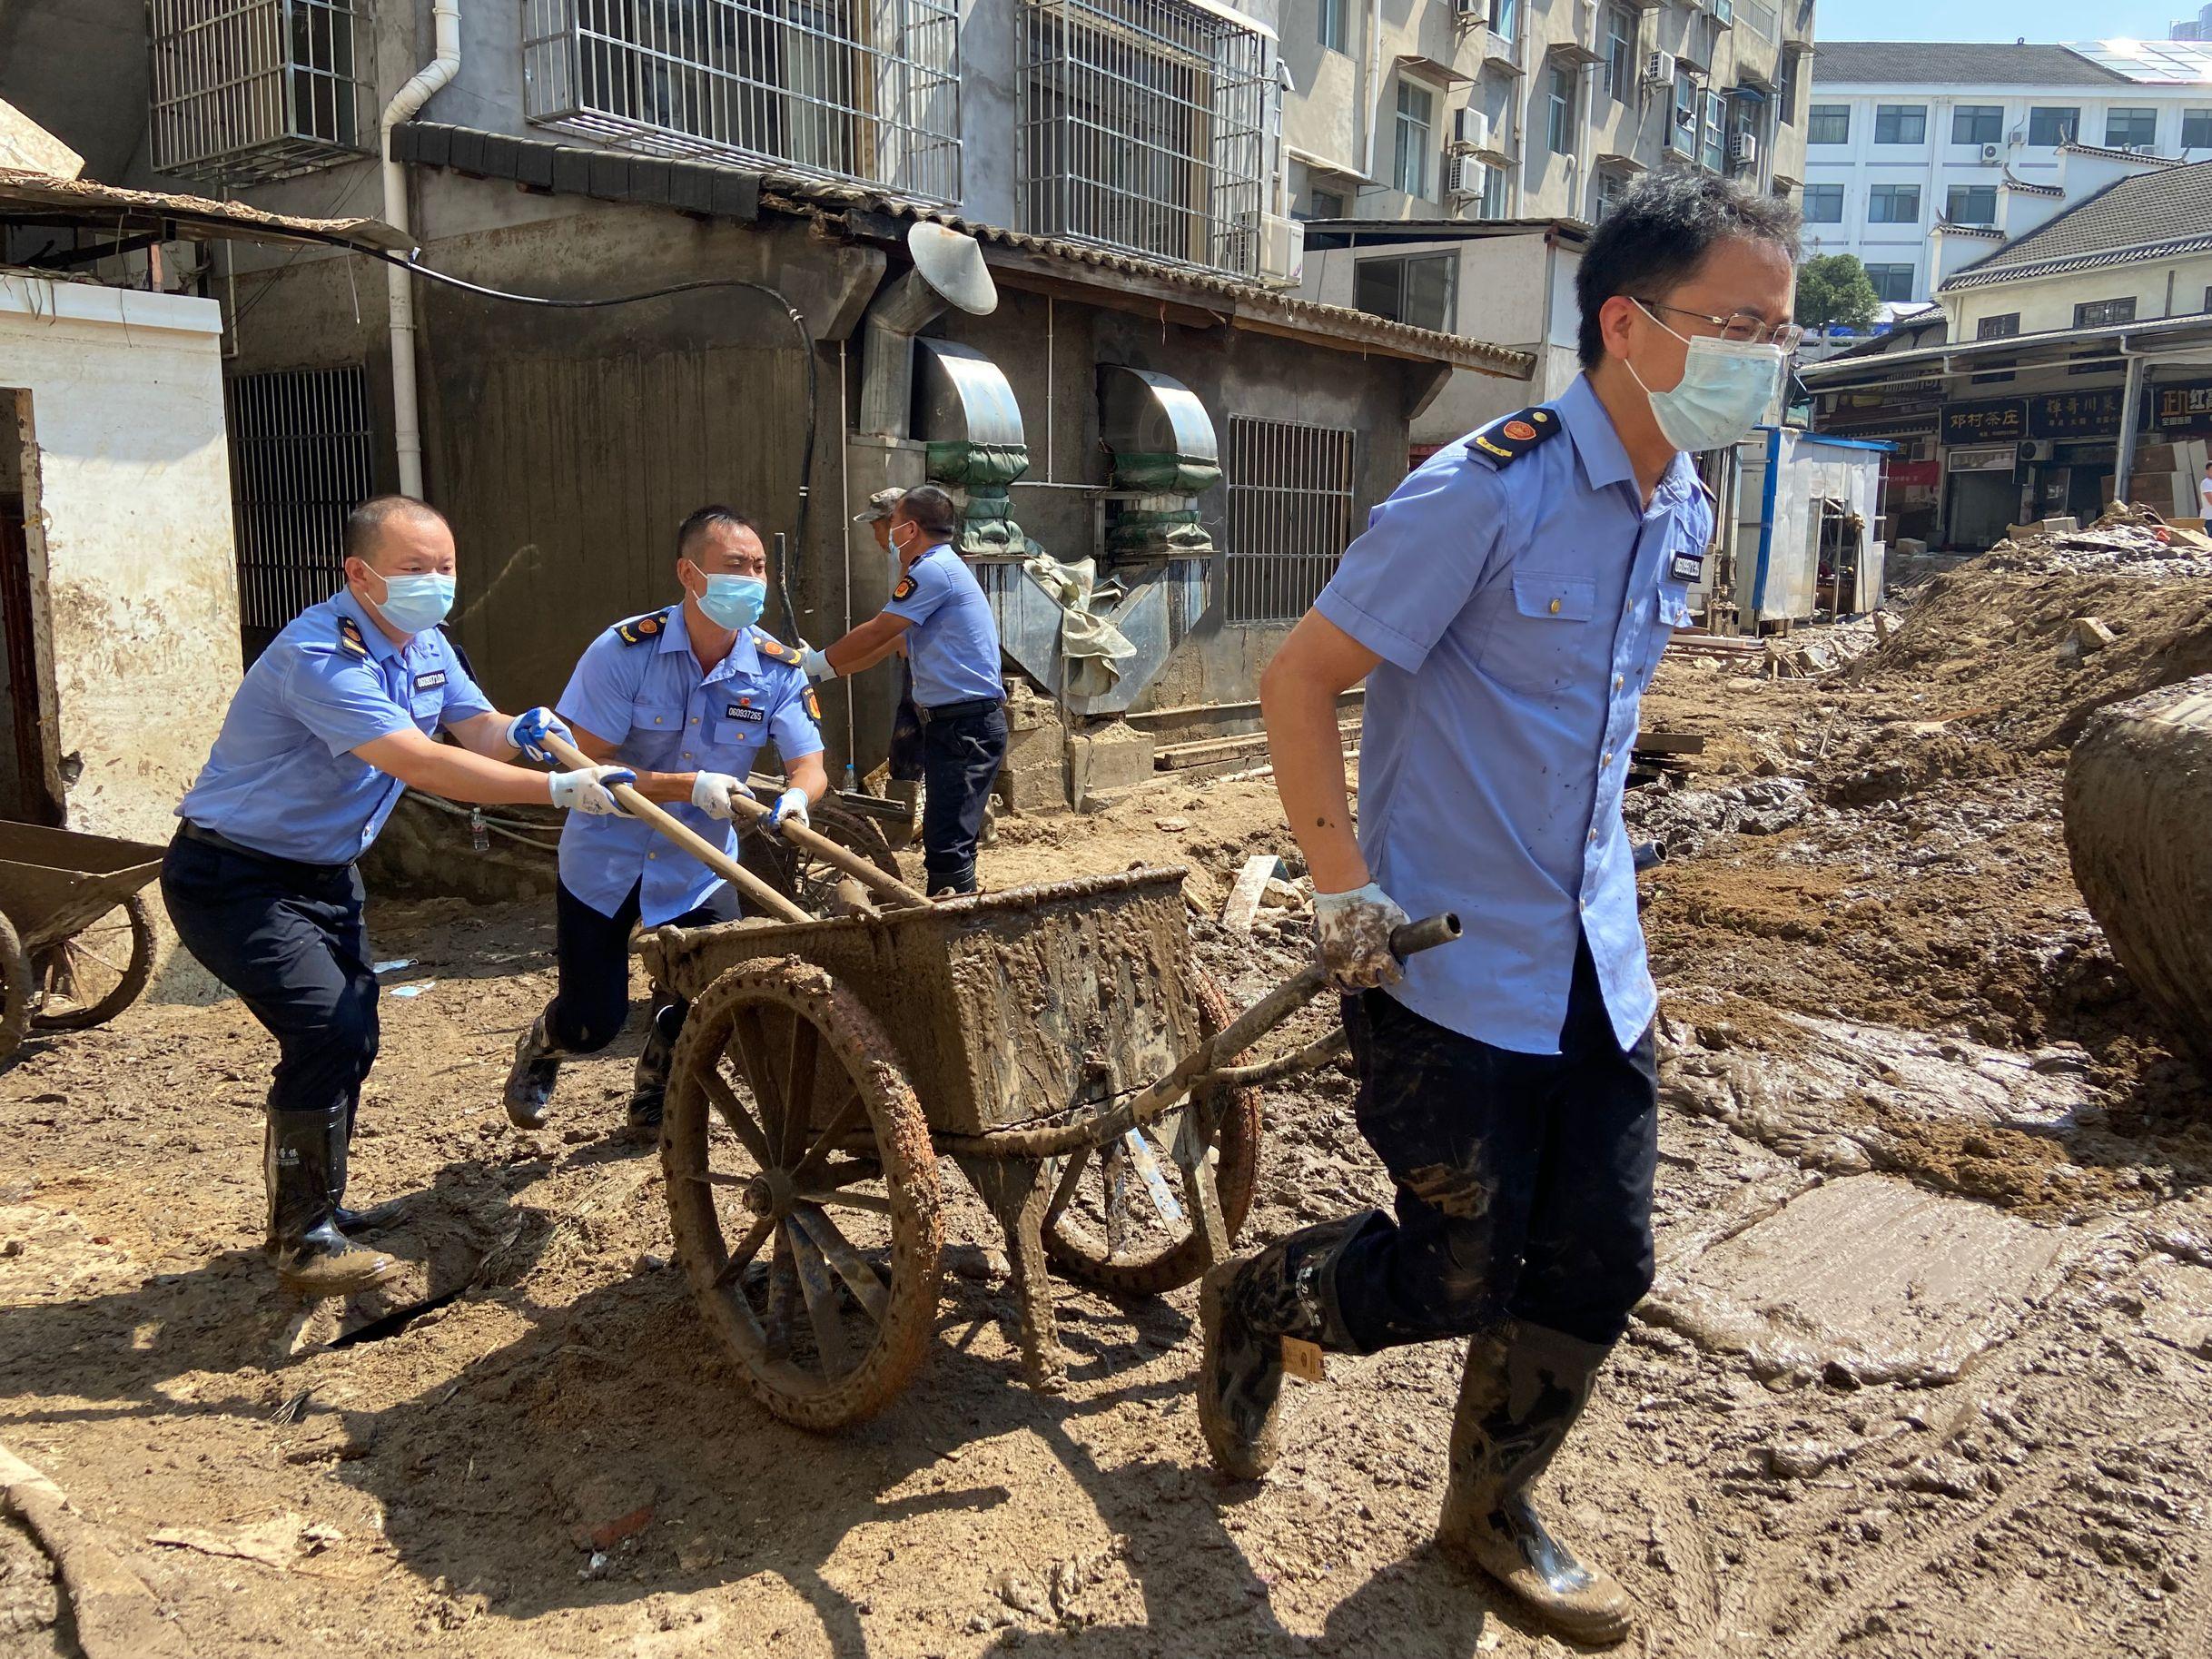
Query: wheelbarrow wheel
(806,880)
(97,972)
(15,990)
(803,1192)
(1111,1233)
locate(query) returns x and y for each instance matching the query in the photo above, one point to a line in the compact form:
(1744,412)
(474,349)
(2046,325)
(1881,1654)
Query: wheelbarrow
(77,941)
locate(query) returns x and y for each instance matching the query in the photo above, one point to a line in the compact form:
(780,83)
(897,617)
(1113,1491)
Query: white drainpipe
(405,408)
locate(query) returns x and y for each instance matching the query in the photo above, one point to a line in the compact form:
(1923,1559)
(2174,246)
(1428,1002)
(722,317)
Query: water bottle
(479,838)
(851,786)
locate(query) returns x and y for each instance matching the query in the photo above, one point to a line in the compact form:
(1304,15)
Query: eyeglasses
(1744,327)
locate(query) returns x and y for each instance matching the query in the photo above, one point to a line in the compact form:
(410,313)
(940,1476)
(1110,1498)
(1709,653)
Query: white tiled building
(1904,138)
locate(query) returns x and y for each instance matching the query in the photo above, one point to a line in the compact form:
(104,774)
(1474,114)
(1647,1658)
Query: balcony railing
(1144,126)
(867,90)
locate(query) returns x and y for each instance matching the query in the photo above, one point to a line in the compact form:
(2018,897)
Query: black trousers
(1524,1180)
(289,940)
(961,757)
(593,1002)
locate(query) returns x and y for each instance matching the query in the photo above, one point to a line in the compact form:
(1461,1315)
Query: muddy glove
(813,665)
(1353,930)
(529,729)
(590,790)
(711,791)
(790,806)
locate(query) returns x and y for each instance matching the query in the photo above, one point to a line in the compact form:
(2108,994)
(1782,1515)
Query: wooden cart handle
(823,847)
(756,892)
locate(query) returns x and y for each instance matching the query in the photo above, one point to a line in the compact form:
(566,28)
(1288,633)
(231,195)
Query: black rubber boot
(1247,1308)
(1522,1390)
(529,1082)
(304,1169)
(649,1087)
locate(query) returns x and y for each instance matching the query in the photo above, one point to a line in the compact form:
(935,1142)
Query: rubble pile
(2130,540)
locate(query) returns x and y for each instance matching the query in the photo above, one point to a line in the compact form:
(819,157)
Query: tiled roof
(2108,153)
(724,190)
(1938,64)
(2146,215)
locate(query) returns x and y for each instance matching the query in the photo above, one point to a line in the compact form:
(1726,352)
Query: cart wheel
(790,1133)
(97,972)
(1111,1233)
(809,882)
(15,990)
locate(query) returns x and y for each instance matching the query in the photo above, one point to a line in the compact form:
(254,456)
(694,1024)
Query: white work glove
(1353,930)
(813,665)
(529,730)
(711,791)
(590,790)
(790,807)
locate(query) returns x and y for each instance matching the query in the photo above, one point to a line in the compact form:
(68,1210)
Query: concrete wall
(133,523)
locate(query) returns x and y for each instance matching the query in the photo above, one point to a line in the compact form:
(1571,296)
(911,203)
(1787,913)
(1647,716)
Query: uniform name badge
(431,681)
(1686,567)
(744,711)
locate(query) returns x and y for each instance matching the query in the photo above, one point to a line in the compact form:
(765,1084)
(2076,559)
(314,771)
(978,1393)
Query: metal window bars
(1291,490)
(865,91)
(1144,127)
(248,90)
(301,458)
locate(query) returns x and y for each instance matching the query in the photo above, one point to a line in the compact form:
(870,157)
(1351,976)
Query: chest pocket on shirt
(657,732)
(735,737)
(1538,641)
(427,704)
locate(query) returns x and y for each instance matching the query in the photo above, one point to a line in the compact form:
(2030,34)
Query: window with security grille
(2004,325)
(1291,490)
(1143,127)
(246,90)
(301,458)
(1978,123)
(1970,204)
(860,90)
(2124,128)
(2104,313)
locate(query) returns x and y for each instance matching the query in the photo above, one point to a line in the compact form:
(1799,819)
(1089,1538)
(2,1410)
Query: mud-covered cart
(1056,1042)
(76,942)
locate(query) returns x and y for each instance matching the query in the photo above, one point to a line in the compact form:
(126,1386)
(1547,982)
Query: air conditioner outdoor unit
(1466,176)
(2035,449)
(1281,246)
(1993,154)
(1743,149)
(2142,149)
(1659,69)
(1478,9)
(1470,128)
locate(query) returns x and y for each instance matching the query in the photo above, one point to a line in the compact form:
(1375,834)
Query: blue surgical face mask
(416,604)
(1727,386)
(733,602)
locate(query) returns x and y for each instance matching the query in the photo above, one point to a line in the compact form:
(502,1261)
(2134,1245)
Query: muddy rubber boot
(650,1086)
(529,1082)
(304,1169)
(1247,1308)
(1522,1390)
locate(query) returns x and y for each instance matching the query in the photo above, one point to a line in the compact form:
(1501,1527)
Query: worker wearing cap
(1507,606)
(331,722)
(938,617)
(685,696)
(904,762)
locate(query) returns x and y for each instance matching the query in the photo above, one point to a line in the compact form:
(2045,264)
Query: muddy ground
(1927,1372)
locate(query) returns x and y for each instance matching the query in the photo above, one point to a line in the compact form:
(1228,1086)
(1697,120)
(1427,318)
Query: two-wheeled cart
(76,939)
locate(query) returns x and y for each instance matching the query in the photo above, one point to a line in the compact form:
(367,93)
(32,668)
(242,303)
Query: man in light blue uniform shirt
(685,696)
(333,721)
(938,617)
(1506,607)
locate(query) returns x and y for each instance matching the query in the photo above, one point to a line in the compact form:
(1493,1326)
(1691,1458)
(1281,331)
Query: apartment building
(1909,140)
(1533,109)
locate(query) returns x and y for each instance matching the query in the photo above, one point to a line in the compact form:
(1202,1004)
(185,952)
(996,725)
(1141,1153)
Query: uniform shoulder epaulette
(640,629)
(350,639)
(1508,441)
(775,649)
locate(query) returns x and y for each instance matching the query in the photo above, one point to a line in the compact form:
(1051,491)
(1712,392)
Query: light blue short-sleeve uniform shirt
(952,645)
(283,777)
(1519,593)
(639,687)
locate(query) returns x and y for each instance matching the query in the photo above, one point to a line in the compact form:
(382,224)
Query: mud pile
(2131,540)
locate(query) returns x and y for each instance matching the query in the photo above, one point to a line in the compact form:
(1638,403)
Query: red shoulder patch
(1520,430)
(648,624)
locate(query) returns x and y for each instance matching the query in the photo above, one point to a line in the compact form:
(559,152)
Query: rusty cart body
(77,941)
(1057,1043)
